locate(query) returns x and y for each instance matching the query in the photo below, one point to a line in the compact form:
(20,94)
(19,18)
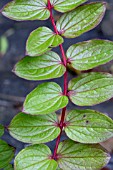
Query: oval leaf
(36,157)
(66,5)
(72,155)
(44,99)
(81,20)
(43,67)
(91,89)
(88,126)
(42,40)
(90,54)
(1,130)
(26,10)
(6,154)
(34,129)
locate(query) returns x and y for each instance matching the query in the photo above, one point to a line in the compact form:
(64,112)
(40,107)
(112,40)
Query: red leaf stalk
(61,124)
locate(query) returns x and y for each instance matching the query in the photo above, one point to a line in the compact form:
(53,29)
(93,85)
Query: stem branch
(61,124)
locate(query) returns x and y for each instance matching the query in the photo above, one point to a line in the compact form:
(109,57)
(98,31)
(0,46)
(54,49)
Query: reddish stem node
(62,123)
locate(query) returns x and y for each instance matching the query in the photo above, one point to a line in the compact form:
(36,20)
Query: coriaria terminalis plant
(38,123)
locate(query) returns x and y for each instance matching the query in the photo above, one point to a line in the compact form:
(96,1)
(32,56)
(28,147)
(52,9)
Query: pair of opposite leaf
(87,89)
(44,128)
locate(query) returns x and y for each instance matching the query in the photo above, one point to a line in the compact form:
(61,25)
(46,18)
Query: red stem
(61,124)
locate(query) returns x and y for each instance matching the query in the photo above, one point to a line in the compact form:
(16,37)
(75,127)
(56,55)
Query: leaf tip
(23,110)
(26,53)
(13,70)
(104,3)
(1,11)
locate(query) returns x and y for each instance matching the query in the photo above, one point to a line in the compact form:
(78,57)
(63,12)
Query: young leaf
(44,99)
(34,129)
(66,5)
(88,126)
(42,40)
(72,155)
(26,10)
(91,88)
(1,130)
(42,67)
(35,157)
(6,154)
(81,20)
(89,54)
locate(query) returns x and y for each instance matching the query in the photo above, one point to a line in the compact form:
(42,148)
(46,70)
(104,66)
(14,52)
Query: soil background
(14,89)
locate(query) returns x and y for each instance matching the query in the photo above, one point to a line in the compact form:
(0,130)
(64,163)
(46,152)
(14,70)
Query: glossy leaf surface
(42,67)
(66,5)
(81,20)
(26,10)
(6,154)
(89,54)
(91,88)
(35,157)
(42,40)
(78,156)
(44,99)
(1,130)
(88,126)
(34,129)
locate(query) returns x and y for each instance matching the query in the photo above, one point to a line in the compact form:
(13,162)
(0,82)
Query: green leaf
(9,167)
(26,10)
(66,5)
(36,157)
(6,154)
(90,54)
(91,89)
(42,40)
(81,20)
(3,45)
(44,99)
(72,155)
(1,130)
(34,129)
(88,126)
(42,67)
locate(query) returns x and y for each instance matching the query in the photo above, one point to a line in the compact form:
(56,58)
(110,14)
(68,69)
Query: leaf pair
(37,10)
(81,56)
(69,155)
(84,126)
(85,90)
